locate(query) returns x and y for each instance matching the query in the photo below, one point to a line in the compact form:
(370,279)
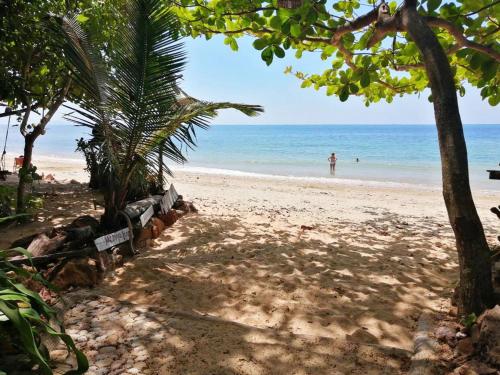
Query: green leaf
(234,45)
(275,22)
(267,55)
(344,93)
(260,44)
(295,30)
(82,18)
(12,217)
(432,5)
(279,52)
(26,335)
(365,79)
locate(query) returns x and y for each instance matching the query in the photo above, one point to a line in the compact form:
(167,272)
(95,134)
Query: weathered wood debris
(80,254)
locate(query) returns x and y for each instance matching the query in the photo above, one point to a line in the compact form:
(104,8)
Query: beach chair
(18,163)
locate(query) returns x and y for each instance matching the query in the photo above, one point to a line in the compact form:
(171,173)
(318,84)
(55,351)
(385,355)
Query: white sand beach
(241,279)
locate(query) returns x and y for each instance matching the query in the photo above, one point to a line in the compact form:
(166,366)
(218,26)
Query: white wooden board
(112,239)
(146,216)
(168,199)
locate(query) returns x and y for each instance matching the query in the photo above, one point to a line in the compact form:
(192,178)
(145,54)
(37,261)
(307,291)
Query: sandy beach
(240,288)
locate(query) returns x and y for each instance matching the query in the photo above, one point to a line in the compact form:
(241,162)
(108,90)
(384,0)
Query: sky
(215,72)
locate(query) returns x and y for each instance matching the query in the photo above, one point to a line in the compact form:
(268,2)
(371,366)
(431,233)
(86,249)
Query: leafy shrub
(25,317)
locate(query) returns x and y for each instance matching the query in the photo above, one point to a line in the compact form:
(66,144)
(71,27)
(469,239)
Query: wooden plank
(174,194)
(147,215)
(112,239)
(169,199)
(136,209)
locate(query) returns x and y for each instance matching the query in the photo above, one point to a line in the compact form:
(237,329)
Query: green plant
(25,317)
(469,320)
(7,195)
(132,101)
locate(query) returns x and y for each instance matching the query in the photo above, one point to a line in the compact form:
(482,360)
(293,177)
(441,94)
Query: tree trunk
(29,140)
(475,290)
(114,202)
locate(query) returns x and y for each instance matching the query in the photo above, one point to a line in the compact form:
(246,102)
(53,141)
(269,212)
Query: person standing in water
(333,160)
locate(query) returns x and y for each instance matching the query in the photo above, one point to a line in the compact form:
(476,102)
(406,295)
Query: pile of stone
(476,349)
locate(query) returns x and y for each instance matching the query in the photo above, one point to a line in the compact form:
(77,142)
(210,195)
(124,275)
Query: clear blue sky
(215,72)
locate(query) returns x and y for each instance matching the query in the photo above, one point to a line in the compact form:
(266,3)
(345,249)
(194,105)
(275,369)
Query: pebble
(59,355)
(107,349)
(104,362)
(140,365)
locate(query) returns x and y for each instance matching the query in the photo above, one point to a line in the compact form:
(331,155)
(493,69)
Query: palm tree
(132,102)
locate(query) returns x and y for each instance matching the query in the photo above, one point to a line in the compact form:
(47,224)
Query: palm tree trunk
(475,290)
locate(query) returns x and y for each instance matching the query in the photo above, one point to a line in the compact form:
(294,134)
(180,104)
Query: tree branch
(483,8)
(357,24)
(17,112)
(461,40)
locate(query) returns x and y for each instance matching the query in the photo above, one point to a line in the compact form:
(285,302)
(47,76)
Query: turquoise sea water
(387,153)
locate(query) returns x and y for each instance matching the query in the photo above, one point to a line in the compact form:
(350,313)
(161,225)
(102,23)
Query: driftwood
(45,259)
(24,242)
(43,245)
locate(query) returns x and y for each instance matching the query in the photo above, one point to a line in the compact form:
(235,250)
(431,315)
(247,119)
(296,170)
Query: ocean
(386,153)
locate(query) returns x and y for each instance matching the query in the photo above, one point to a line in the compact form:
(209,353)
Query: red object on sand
(18,163)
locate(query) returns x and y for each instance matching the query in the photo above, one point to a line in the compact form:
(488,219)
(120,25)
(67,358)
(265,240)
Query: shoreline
(66,168)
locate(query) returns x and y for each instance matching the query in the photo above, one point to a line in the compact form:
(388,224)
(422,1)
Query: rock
(460,335)
(474,333)
(59,355)
(123,249)
(445,334)
(155,232)
(453,311)
(465,347)
(104,362)
(362,336)
(143,235)
(474,368)
(81,272)
(169,218)
(107,350)
(158,226)
(489,335)
(117,260)
(105,261)
(85,221)
(185,206)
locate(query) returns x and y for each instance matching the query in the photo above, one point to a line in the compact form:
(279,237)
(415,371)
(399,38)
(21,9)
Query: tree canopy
(369,56)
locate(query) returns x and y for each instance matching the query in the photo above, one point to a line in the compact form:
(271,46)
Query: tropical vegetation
(132,102)
(27,322)
(34,78)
